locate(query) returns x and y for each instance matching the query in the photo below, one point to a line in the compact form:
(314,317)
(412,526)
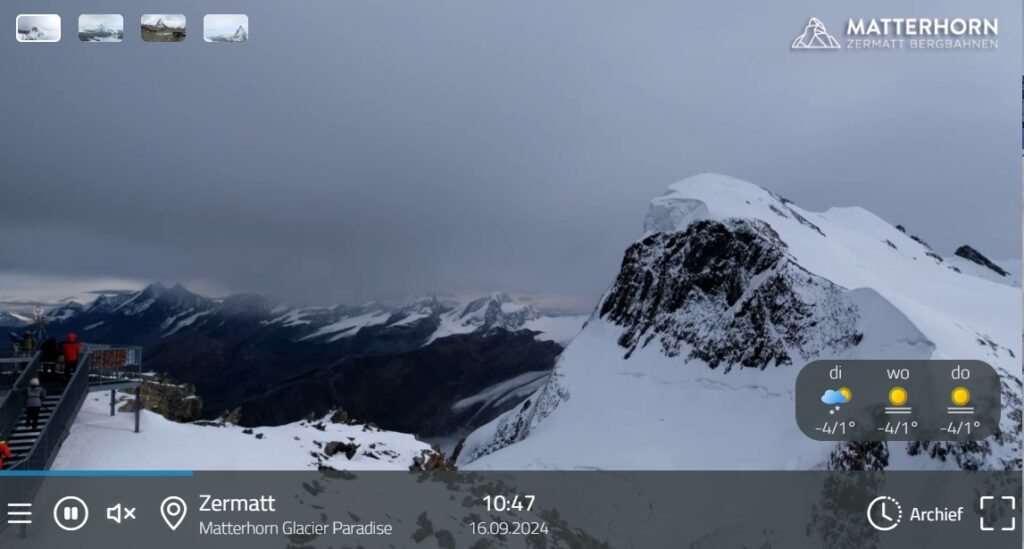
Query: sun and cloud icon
(835,397)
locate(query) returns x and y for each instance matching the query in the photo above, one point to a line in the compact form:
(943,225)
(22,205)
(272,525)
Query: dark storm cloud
(358,149)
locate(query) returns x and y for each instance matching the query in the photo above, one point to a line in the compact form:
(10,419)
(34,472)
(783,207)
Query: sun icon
(898,396)
(960,396)
(846,392)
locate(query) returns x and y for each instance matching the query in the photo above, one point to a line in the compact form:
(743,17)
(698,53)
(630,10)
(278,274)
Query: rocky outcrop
(348,448)
(974,256)
(432,460)
(177,402)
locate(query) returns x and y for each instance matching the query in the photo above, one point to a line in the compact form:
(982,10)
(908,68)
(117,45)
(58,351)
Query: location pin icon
(173,510)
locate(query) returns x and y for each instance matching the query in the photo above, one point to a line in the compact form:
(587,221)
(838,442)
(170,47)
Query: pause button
(71,513)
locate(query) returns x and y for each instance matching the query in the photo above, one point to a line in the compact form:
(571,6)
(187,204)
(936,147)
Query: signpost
(116,365)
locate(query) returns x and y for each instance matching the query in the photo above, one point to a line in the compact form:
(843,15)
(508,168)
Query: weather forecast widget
(922,400)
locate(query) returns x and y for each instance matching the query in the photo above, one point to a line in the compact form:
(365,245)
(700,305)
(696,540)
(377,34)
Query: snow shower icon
(835,397)
(815,37)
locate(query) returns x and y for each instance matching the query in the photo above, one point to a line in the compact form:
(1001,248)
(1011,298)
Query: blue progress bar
(69,473)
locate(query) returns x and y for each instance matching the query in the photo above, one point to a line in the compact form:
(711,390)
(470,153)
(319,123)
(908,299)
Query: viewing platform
(101,367)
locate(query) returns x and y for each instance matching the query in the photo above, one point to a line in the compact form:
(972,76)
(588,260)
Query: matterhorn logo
(815,37)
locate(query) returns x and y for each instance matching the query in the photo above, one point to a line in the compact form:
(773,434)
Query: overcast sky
(362,149)
(44,23)
(111,21)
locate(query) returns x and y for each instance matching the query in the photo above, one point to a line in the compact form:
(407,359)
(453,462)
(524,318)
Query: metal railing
(11,363)
(11,350)
(13,404)
(42,453)
(8,350)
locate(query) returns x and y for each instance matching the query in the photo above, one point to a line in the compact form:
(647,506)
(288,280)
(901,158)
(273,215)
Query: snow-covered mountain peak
(495,310)
(425,304)
(716,196)
(177,297)
(154,289)
(730,290)
(248,304)
(414,311)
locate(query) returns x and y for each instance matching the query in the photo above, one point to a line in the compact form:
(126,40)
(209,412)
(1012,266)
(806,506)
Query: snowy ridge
(730,290)
(165,444)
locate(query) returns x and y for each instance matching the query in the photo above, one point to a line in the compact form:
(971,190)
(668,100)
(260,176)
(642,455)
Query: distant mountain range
(403,366)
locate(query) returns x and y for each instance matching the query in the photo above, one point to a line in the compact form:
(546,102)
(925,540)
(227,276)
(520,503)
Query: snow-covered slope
(690,358)
(559,328)
(99,441)
(13,320)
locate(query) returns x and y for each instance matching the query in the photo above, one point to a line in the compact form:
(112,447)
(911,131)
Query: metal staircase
(37,449)
(23,438)
(100,368)
(13,403)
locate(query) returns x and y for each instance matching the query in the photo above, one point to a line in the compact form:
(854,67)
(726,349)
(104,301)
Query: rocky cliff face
(729,294)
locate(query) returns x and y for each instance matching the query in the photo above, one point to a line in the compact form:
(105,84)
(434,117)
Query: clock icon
(884,513)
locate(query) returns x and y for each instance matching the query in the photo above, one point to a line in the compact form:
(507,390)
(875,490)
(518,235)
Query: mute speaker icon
(118,513)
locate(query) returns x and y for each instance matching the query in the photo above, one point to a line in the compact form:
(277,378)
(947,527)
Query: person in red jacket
(5,452)
(70,349)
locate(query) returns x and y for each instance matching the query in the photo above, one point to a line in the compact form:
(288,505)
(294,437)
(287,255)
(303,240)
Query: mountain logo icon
(815,37)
